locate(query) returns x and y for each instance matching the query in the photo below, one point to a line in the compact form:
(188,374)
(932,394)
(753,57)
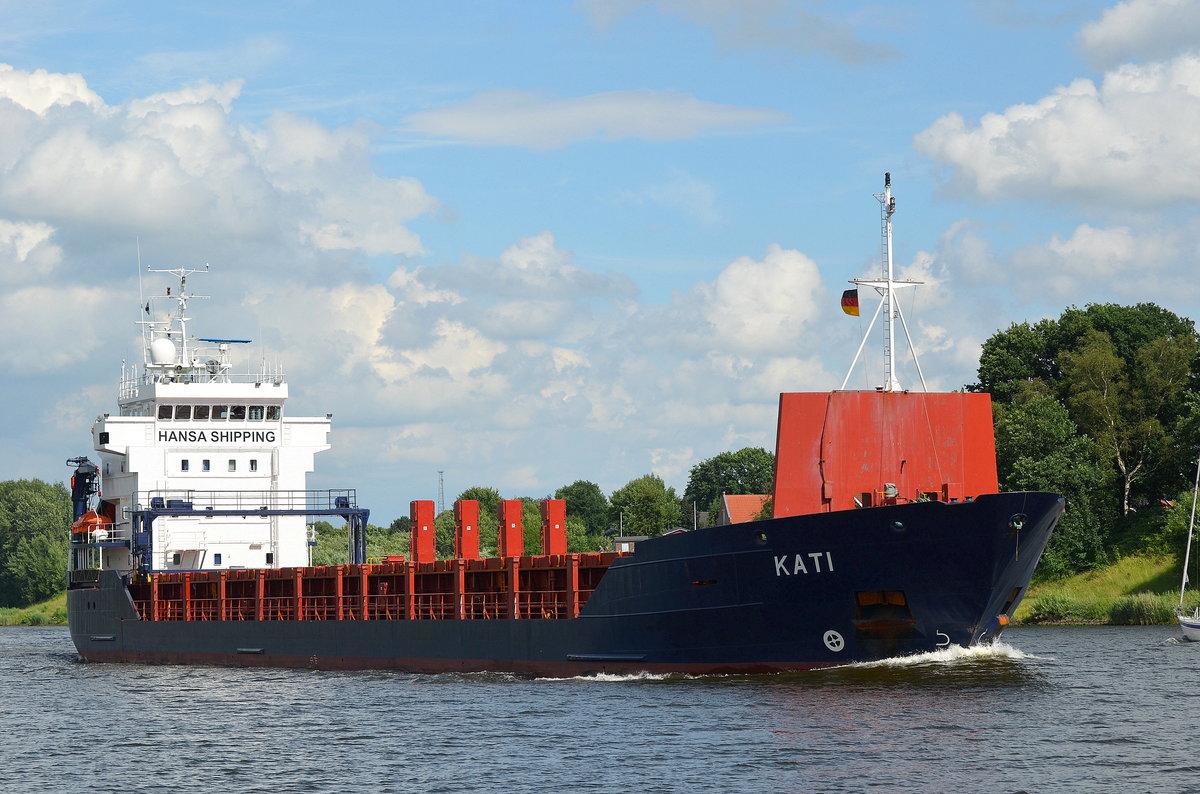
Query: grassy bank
(45,613)
(1132,591)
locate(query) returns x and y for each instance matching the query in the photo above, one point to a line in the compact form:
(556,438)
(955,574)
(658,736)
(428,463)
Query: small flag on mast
(850,302)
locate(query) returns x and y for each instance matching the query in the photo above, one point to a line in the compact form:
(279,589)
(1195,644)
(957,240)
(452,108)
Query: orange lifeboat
(89,521)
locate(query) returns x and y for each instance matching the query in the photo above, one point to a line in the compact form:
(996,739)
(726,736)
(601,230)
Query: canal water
(1052,709)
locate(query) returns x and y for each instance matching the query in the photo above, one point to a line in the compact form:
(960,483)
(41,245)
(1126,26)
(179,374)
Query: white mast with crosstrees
(886,287)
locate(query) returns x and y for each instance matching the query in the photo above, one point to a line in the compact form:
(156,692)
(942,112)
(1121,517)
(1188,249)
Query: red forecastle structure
(847,449)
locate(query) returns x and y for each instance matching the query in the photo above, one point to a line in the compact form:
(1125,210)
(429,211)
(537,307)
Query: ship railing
(106,533)
(546,605)
(186,500)
(428,606)
(444,590)
(131,387)
(485,606)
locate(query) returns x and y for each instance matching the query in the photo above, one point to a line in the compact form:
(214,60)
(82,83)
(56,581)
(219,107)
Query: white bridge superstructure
(191,431)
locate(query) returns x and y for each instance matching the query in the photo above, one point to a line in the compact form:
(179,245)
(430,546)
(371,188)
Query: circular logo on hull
(834,641)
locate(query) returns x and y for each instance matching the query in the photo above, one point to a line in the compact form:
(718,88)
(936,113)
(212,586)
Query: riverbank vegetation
(1101,405)
(1135,590)
(51,611)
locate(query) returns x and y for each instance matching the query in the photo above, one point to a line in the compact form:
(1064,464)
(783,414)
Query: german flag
(850,302)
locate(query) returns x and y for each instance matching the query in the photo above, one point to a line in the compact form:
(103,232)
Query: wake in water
(952,655)
(620,678)
(995,658)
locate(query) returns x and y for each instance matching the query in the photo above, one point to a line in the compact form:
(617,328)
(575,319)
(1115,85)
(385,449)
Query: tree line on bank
(1101,405)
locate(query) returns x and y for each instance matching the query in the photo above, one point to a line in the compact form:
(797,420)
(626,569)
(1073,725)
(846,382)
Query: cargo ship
(888,536)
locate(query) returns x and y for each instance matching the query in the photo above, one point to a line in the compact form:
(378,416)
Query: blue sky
(526,243)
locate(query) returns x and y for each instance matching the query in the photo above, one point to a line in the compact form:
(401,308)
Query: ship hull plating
(785,594)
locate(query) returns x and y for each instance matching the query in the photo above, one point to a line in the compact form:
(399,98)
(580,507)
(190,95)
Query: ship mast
(886,286)
(173,328)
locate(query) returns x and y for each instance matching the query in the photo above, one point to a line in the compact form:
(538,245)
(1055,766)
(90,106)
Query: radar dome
(162,351)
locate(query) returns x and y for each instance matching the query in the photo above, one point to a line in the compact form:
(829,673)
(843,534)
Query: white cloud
(756,25)
(44,328)
(38,91)
(1142,29)
(1129,261)
(458,349)
(510,117)
(176,160)
(26,253)
(1129,142)
(757,306)
(409,286)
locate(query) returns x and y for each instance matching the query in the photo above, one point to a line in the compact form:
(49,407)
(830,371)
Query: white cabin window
(217,558)
(237,413)
(256,413)
(183,412)
(165,411)
(254,464)
(183,465)
(272,413)
(220,412)
(232,464)
(206,465)
(200,412)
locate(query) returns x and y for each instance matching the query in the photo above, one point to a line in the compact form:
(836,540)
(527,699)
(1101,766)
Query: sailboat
(1189,621)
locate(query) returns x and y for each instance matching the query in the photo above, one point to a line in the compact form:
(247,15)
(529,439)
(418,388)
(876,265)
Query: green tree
(1128,377)
(1127,408)
(587,502)
(333,544)
(1039,448)
(1013,359)
(646,506)
(35,521)
(581,539)
(750,470)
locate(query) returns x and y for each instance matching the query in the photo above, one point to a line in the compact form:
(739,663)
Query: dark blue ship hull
(785,594)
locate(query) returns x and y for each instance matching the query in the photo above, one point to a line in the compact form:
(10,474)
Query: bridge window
(200,412)
(165,411)
(220,412)
(183,412)
(237,413)
(272,413)
(256,413)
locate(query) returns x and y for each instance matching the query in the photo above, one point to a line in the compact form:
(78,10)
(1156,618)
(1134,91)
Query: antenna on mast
(886,287)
